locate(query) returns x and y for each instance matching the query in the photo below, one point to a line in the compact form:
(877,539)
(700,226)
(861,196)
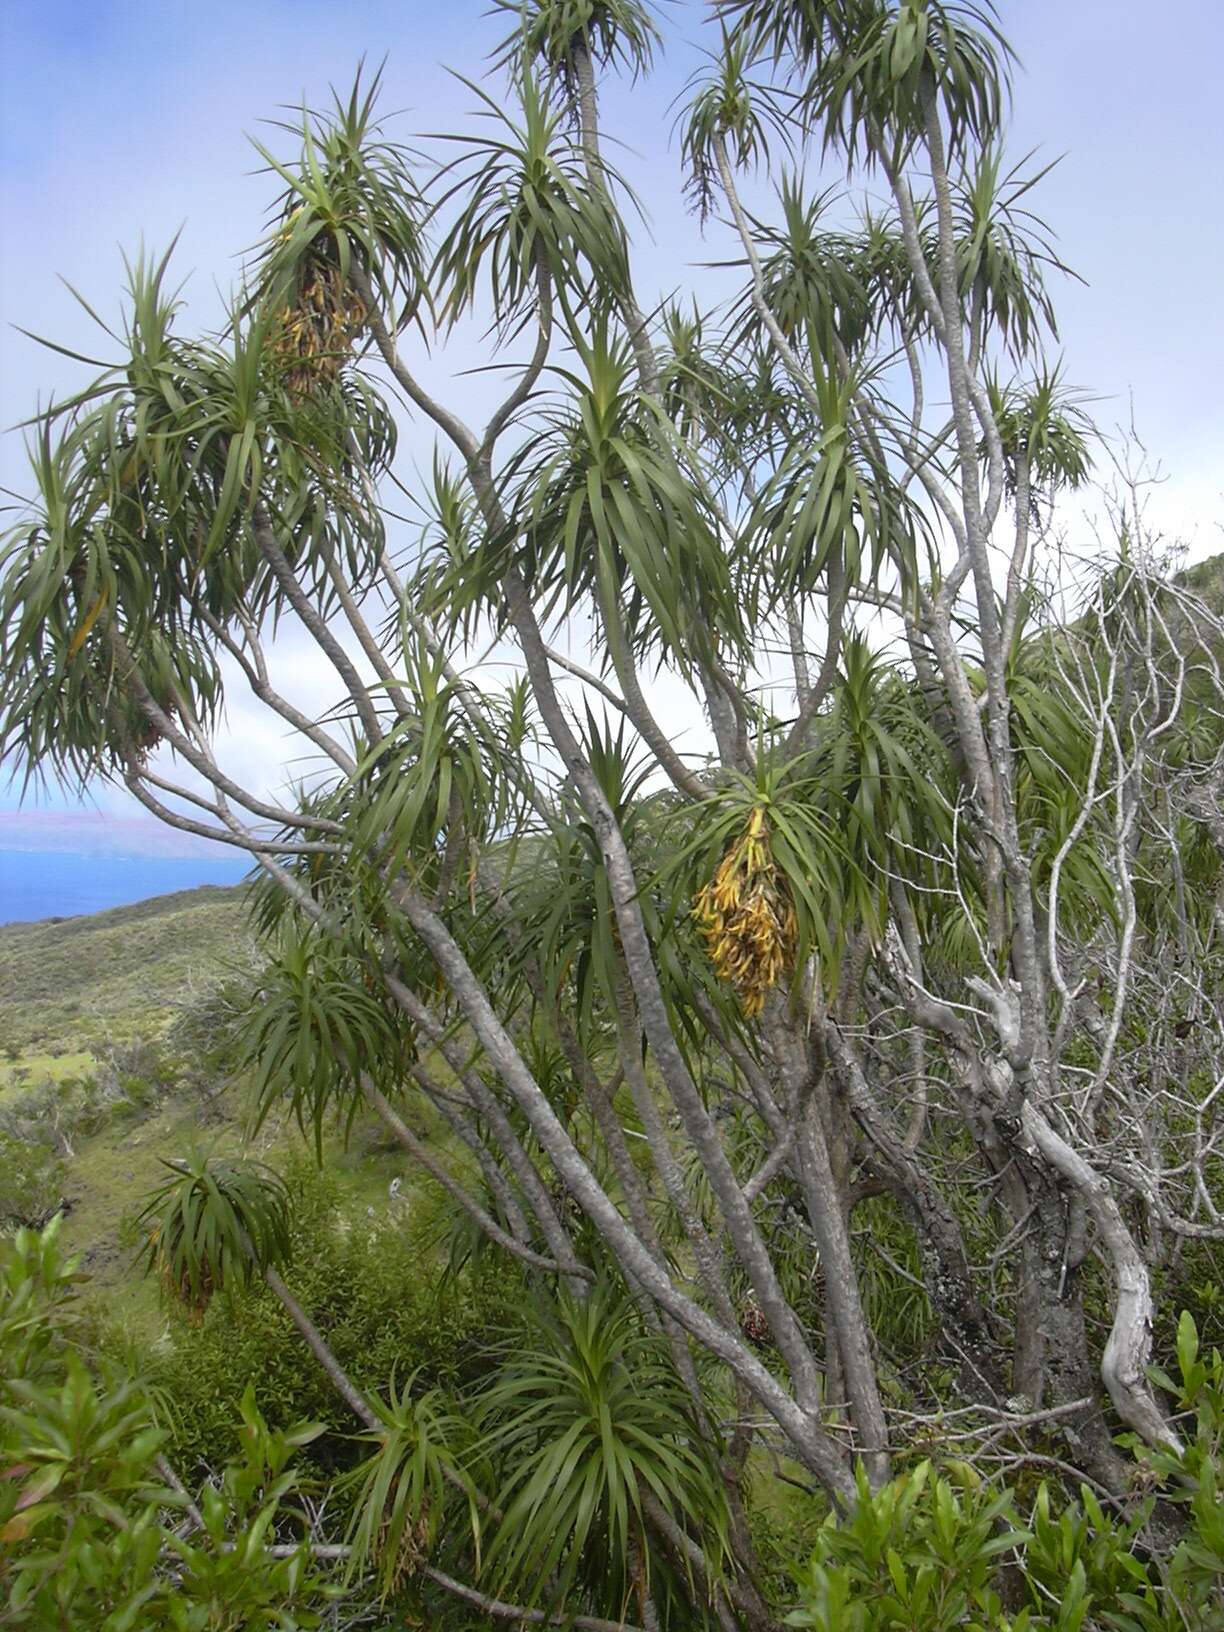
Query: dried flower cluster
(177,1283)
(746,916)
(313,335)
(412,1547)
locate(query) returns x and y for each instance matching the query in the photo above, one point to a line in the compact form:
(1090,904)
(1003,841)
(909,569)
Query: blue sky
(123,118)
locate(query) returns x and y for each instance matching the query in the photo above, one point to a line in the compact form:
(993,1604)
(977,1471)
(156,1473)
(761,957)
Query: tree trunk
(313,1338)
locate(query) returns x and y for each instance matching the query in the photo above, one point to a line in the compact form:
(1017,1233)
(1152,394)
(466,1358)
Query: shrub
(923,1554)
(918,1556)
(375,1290)
(31,1183)
(129,1080)
(89,1516)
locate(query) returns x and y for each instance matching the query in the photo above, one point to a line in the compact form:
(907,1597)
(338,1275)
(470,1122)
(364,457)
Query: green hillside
(109,1062)
(85,1004)
(75,982)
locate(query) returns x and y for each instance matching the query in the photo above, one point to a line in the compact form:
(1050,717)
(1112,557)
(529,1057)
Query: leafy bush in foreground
(98,1532)
(92,1530)
(924,1553)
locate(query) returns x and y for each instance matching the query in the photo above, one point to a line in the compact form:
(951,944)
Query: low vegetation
(73,986)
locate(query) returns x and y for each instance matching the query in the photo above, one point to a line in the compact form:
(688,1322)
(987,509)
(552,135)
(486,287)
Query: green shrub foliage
(95,1530)
(31,1182)
(939,1550)
(376,1290)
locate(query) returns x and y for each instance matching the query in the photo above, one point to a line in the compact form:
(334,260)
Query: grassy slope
(113,1172)
(113,975)
(70,987)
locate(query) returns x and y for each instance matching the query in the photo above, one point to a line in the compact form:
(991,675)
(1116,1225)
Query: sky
(124,121)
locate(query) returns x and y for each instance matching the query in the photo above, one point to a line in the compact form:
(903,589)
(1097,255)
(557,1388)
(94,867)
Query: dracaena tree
(918,933)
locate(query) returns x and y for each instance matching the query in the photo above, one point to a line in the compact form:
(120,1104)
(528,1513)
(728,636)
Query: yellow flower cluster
(313,335)
(746,917)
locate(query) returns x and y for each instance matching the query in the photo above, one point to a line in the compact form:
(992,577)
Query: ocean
(53,884)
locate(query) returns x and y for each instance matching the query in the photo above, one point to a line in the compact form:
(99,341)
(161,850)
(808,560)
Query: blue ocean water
(53,884)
